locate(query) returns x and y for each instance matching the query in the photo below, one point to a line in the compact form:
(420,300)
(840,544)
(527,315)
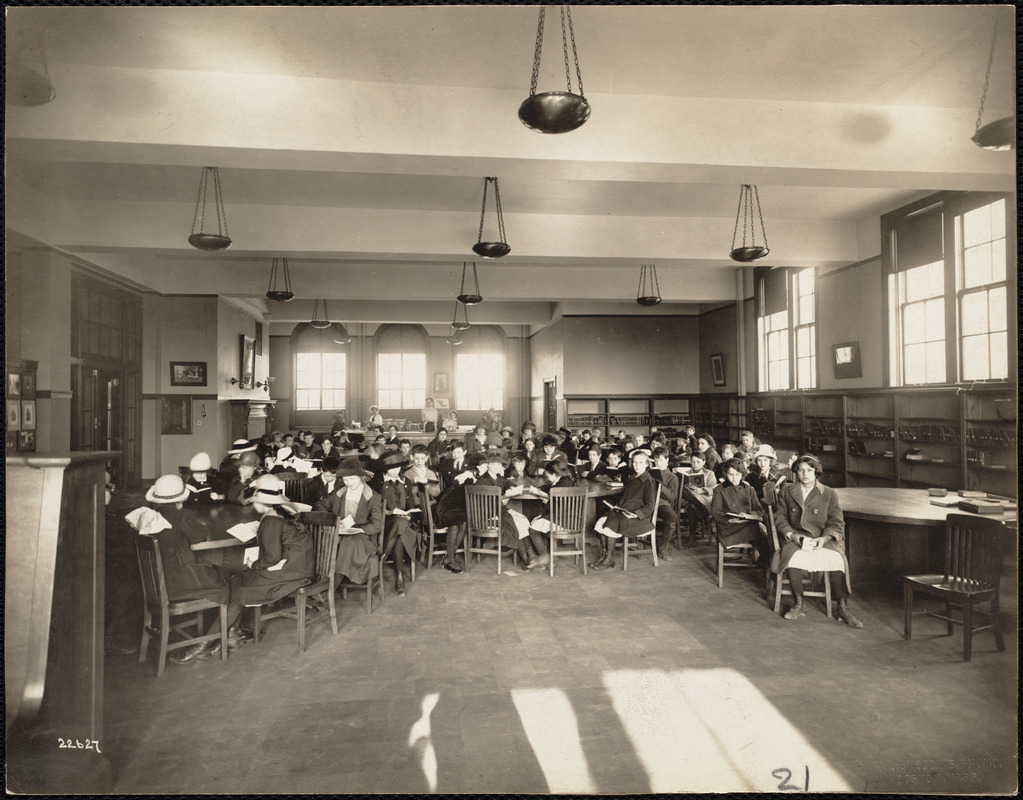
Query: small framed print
(28,415)
(28,386)
(188,373)
(259,339)
(717,368)
(14,384)
(176,415)
(10,440)
(247,347)
(443,403)
(440,383)
(26,440)
(847,360)
(14,415)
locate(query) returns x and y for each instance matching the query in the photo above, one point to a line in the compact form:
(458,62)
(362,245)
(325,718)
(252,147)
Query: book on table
(977,506)
(951,501)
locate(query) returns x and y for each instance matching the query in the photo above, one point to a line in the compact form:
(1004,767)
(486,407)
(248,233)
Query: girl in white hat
(200,487)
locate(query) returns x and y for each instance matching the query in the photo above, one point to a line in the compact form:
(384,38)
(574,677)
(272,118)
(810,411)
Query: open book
(401,512)
(743,515)
(623,511)
(809,543)
(526,491)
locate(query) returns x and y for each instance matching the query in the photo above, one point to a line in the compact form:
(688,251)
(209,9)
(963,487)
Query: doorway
(98,415)
(550,404)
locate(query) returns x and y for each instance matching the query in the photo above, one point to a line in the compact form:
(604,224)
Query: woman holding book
(811,523)
(738,513)
(360,516)
(401,533)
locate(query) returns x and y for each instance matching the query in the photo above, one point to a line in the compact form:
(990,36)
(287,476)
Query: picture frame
(13,415)
(259,339)
(846,359)
(28,415)
(441,384)
(247,347)
(442,403)
(717,368)
(10,440)
(26,441)
(28,386)
(188,373)
(176,415)
(14,384)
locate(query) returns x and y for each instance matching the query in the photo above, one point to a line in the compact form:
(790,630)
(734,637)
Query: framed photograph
(28,386)
(26,440)
(247,345)
(176,415)
(717,368)
(440,383)
(28,415)
(14,384)
(10,440)
(847,360)
(442,402)
(14,415)
(259,338)
(188,373)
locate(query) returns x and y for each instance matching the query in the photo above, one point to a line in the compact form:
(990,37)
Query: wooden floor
(641,682)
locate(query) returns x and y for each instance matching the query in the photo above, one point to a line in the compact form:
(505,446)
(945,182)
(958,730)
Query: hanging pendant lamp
(320,322)
(463,324)
(280,282)
(491,249)
(555,112)
(454,338)
(648,293)
(1000,134)
(341,335)
(202,238)
(476,297)
(749,210)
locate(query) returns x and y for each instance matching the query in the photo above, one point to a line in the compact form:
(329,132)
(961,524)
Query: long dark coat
(639,497)
(278,538)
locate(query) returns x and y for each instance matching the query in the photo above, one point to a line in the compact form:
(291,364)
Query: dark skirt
(729,534)
(195,582)
(256,587)
(403,529)
(626,526)
(356,556)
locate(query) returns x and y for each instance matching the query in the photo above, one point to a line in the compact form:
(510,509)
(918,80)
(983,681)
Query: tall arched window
(321,369)
(401,366)
(480,369)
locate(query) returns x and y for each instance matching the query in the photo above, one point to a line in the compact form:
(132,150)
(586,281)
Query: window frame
(789,332)
(299,388)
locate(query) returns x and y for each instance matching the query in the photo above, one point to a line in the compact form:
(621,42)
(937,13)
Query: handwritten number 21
(785,774)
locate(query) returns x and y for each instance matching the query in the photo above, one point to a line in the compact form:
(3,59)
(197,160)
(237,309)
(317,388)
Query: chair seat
(942,585)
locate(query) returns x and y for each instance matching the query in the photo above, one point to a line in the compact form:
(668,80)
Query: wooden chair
(639,545)
(292,485)
(566,513)
(781,583)
(973,566)
(432,547)
(158,605)
(483,513)
(374,580)
(736,556)
(323,527)
(385,559)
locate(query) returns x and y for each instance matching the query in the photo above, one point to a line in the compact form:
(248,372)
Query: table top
(219,517)
(900,506)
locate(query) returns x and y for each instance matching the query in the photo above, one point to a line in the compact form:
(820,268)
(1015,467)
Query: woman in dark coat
(401,534)
(764,471)
(356,506)
(738,513)
(811,523)
(634,511)
(450,508)
(705,444)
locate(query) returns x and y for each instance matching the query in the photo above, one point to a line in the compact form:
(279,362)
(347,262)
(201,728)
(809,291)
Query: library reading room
(390,411)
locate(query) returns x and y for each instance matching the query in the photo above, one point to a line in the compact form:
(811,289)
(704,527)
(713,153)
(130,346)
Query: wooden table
(913,526)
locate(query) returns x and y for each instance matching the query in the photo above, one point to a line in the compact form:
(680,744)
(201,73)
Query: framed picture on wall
(176,415)
(717,369)
(14,415)
(28,386)
(26,440)
(259,338)
(188,373)
(441,385)
(442,402)
(247,345)
(14,384)
(847,360)
(28,415)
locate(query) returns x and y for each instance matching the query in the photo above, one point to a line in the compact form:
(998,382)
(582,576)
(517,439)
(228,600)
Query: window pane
(997,219)
(913,325)
(806,309)
(977,266)
(915,363)
(975,358)
(803,377)
(996,310)
(305,399)
(935,312)
(935,362)
(999,346)
(975,315)
(998,260)
(803,341)
(977,226)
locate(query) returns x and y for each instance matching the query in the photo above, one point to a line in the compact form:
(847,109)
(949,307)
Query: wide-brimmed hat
(508,428)
(765,450)
(200,463)
(351,467)
(497,457)
(283,454)
(473,460)
(167,489)
(248,459)
(269,491)
(241,446)
(565,432)
(390,459)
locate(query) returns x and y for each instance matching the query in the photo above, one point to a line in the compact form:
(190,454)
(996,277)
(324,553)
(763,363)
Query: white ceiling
(355,141)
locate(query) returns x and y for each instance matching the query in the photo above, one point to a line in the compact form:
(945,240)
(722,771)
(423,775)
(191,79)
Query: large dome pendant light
(202,239)
(648,293)
(491,249)
(281,293)
(1000,134)
(555,112)
(476,297)
(749,210)
(341,335)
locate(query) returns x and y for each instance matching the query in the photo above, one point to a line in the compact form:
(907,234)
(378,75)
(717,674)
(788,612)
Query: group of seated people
(387,488)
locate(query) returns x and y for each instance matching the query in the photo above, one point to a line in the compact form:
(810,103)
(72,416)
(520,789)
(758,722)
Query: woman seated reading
(738,513)
(633,512)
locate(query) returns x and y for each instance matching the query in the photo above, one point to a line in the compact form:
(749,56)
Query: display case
(824,434)
(929,439)
(990,449)
(870,440)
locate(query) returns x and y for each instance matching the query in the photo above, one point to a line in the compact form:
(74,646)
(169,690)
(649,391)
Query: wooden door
(550,405)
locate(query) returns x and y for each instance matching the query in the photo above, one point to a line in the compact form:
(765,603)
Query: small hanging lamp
(463,324)
(476,297)
(454,338)
(341,335)
(1000,134)
(555,112)
(280,282)
(491,249)
(203,239)
(320,322)
(648,293)
(749,210)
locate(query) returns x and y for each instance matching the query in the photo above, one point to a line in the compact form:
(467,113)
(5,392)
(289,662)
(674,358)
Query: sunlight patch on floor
(419,740)
(550,725)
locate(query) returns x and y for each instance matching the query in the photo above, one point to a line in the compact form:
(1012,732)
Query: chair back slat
(973,551)
(483,507)
(567,509)
(292,484)
(323,527)
(154,586)
(772,529)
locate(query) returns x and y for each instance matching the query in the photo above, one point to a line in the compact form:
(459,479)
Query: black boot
(194,654)
(542,556)
(399,582)
(845,615)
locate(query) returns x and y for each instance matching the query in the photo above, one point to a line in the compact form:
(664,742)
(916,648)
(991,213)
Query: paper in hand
(244,531)
(251,556)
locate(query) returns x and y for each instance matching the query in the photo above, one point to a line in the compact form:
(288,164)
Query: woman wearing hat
(201,490)
(528,431)
(633,512)
(285,561)
(567,446)
(242,477)
(231,458)
(450,508)
(811,522)
(356,506)
(764,471)
(374,416)
(476,442)
(515,532)
(400,534)
(284,461)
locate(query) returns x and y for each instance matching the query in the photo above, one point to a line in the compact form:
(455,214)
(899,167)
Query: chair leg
(653,544)
(625,553)
(332,605)
(550,550)
(907,611)
(827,596)
(721,565)
(300,599)
(949,627)
(147,623)
(779,584)
(581,546)
(164,638)
(223,631)
(429,554)
(996,629)
(967,629)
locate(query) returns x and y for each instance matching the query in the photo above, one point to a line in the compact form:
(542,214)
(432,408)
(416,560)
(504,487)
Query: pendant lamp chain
(565,12)
(283,293)
(483,211)
(555,112)
(317,321)
(201,238)
(749,210)
(648,293)
(987,78)
(474,297)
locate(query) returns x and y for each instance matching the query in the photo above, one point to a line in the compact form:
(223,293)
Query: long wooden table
(913,526)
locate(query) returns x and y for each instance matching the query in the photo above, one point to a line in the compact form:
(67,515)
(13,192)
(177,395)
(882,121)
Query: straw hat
(390,459)
(765,450)
(242,446)
(269,491)
(167,489)
(284,454)
(351,467)
(200,463)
